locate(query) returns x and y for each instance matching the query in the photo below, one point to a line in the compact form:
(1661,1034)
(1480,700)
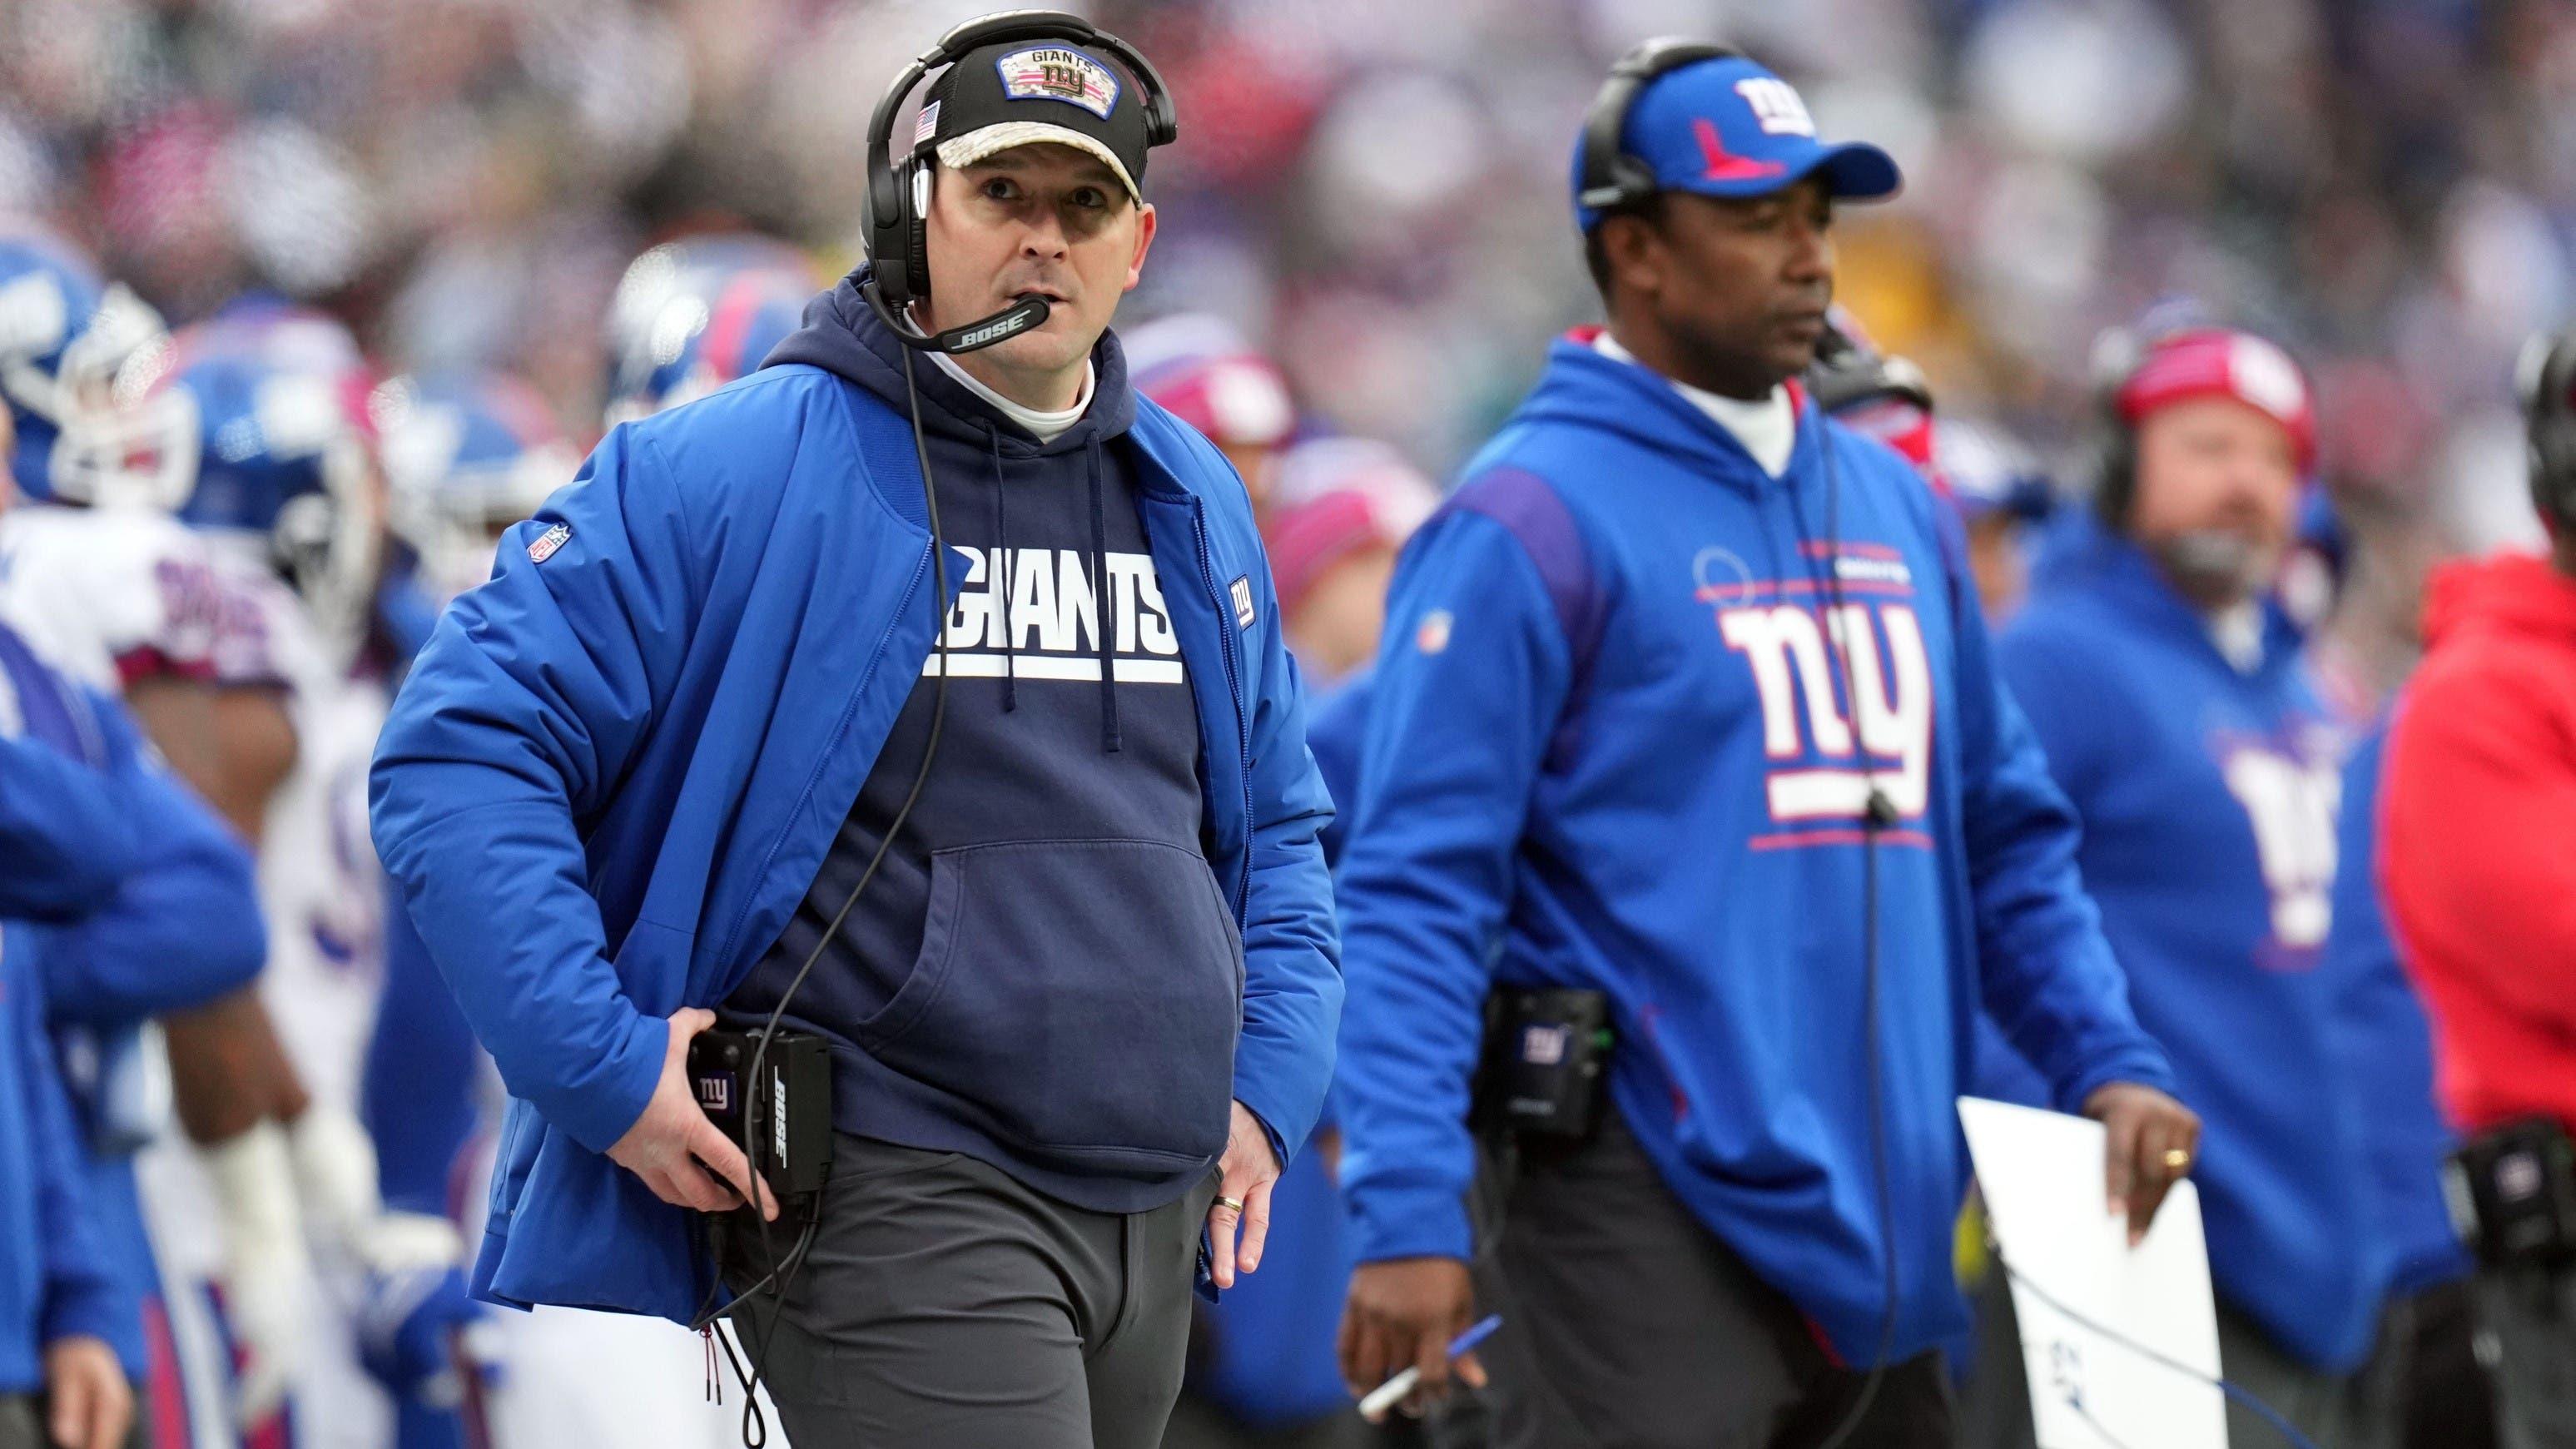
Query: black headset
(1613,180)
(898,199)
(2116,356)
(1846,374)
(2546,382)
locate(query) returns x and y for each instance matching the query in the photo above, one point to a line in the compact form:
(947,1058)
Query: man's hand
(87,1402)
(1245,1176)
(2153,1141)
(681,1155)
(1402,1314)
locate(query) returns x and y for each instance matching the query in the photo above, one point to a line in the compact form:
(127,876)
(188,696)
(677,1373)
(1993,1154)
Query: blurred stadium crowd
(1374,190)
(1373,195)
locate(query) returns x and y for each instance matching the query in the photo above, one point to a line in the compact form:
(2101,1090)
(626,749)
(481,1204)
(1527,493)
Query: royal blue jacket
(615,767)
(1606,732)
(2208,794)
(56,1278)
(2389,1042)
(154,908)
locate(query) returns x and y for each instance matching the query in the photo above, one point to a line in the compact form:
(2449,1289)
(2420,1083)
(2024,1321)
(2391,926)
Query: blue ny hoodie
(616,768)
(2208,799)
(1607,731)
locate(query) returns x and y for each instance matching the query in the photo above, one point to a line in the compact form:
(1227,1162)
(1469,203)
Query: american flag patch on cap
(929,122)
(547,542)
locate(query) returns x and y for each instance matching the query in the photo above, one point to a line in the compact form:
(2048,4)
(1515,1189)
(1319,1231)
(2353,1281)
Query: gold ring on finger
(1231,1204)
(2176,1159)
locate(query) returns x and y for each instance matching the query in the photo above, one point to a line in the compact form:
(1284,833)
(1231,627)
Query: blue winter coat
(615,767)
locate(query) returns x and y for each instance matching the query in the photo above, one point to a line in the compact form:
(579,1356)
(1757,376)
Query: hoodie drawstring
(1100,609)
(1004,569)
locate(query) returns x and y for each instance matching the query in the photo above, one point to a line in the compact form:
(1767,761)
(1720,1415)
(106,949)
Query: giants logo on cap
(1776,105)
(1057,73)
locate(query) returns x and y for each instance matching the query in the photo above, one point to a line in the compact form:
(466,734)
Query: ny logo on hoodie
(2292,805)
(1887,737)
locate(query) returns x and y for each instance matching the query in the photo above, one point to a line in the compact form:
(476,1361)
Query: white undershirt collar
(1766,427)
(1044,426)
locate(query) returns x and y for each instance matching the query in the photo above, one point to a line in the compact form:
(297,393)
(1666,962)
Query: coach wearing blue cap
(1688,757)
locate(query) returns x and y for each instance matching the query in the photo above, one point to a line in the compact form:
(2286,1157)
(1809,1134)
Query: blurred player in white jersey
(283,491)
(106,584)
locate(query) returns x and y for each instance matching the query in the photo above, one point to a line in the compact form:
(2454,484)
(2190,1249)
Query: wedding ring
(1233,1205)
(2176,1159)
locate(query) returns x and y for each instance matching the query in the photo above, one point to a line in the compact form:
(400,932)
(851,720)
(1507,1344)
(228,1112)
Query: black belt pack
(790,1107)
(2512,1194)
(1546,1050)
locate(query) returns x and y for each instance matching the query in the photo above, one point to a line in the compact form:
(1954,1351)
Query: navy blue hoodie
(1051,880)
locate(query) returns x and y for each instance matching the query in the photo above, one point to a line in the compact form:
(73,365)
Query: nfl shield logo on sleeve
(547,542)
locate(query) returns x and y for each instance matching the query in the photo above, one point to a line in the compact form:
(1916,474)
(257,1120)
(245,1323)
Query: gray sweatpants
(2333,1411)
(944,1303)
(2533,1314)
(22,1424)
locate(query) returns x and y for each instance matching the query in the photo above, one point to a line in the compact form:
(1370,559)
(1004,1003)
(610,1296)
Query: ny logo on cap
(1776,105)
(1059,73)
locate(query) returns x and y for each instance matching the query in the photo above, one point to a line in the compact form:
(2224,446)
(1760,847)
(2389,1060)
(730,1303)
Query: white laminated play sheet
(2041,1174)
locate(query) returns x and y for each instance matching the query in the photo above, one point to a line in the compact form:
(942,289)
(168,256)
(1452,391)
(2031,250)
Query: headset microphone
(1026,314)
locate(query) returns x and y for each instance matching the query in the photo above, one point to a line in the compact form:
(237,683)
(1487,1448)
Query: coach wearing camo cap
(1037,862)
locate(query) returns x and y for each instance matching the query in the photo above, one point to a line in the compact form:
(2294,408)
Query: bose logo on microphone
(990,332)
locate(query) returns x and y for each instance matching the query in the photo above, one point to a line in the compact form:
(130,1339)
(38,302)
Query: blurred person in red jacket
(2478,863)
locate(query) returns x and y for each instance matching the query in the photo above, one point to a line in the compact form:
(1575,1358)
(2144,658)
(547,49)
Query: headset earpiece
(920,175)
(2116,355)
(2546,384)
(1613,180)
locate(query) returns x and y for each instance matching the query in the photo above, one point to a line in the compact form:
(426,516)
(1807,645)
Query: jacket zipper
(840,731)
(1234,694)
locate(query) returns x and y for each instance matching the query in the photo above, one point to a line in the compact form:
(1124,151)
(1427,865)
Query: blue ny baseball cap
(1729,127)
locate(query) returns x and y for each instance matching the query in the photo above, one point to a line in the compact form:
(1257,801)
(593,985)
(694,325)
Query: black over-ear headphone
(1846,374)
(1613,180)
(898,200)
(2546,381)
(2116,356)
